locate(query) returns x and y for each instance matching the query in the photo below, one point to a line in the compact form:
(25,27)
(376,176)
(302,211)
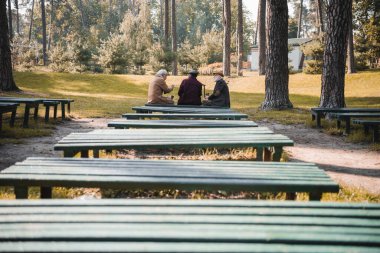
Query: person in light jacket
(158,87)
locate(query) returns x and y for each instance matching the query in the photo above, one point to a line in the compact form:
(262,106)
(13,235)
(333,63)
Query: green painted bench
(180,123)
(186,106)
(319,112)
(63,102)
(188,226)
(170,109)
(374,124)
(6,108)
(49,104)
(117,139)
(167,174)
(218,116)
(29,104)
(348,115)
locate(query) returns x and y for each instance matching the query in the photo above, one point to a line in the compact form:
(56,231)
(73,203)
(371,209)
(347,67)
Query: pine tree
(227,37)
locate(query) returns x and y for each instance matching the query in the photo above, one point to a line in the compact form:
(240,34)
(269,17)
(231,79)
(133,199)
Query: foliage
(314,57)
(160,58)
(113,54)
(23,54)
(60,59)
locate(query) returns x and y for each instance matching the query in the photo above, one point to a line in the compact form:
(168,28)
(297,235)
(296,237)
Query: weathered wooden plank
(166,109)
(219,116)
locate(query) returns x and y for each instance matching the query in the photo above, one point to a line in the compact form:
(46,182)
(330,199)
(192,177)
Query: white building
(294,56)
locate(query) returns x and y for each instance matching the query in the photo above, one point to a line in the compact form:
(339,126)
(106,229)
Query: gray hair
(161,73)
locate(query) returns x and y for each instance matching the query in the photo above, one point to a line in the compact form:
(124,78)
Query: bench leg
(375,133)
(338,125)
(267,155)
(277,154)
(84,153)
(318,118)
(26,116)
(291,196)
(47,111)
(13,118)
(259,154)
(55,111)
(317,196)
(68,107)
(366,129)
(348,125)
(21,192)
(46,193)
(1,121)
(35,112)
(96,153)
(63,110)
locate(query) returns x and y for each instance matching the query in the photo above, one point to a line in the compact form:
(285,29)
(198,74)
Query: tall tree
(31,21)
(6,76)
(10,20)
(166,22)
(300,20)
(262,35)
(227,37)
(334,58)
(350,49)
(240,38)
(51,31)
(277,72)
(174,38)
(17,17)
(43,18)
(320,16)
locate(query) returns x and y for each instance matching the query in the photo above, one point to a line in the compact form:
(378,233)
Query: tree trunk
(320,16)
(262,36)
(174,39)
(334,57)
(51,31)
(6,76)
(227,37)
(17,17)
(166,25)
(84,22)
(31,21)
(240,38)
(161,21)
(350,49)
(300,20)
(10,20)
(277,72)
(43,18)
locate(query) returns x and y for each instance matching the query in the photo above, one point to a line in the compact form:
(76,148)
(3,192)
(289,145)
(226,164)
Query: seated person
(158,87)
(190,91)
(221,94)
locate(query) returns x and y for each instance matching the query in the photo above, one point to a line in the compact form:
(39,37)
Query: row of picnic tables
(10,104)
(180,225)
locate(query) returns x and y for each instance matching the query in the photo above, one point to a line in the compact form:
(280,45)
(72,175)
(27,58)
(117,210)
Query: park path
(349,164)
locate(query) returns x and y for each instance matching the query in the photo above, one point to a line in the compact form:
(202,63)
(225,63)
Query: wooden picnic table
(180,123)
(117,139)
(215,116)
(63,102)
(5,108)
(348,115)
(188,226)
(29,103)
(169,109)
(167,174)
(374,124)
(319,112)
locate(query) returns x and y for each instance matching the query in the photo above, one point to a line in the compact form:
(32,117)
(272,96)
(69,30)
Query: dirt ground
(349,164)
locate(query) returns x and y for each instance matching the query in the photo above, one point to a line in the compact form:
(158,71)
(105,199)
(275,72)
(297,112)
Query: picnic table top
(170,138)
(186,115)
(180,123)
(58,99)
(169,174)
(165,109)
(356,114)
(148,225)
(346,109)
(366,121)
(6,104)
(21,100)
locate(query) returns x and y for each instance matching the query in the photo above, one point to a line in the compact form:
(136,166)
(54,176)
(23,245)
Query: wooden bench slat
(166,109)
(220,116)
(180,123)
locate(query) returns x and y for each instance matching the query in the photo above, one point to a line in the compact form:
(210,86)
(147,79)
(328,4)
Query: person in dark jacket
(190,91)
(221,94)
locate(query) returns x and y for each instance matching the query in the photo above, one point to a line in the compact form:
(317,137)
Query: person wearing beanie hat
(190,91)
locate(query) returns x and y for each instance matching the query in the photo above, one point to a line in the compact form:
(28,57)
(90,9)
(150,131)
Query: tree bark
(277,72)
(51,30)
(227,37)
(10,20)
(166,22)
(320,16)
(262,35)
(350,49)
(334,57)
(6,76)
(174,38)
(43,18)
(240,38)
(17,17)
(300,19)
(31,21)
